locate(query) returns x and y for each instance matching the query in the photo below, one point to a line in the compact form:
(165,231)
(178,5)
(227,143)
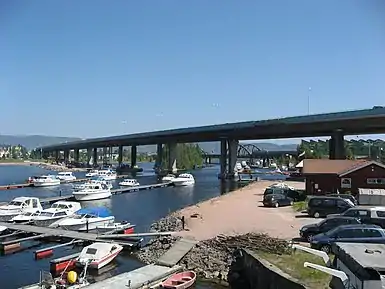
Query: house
(329,176)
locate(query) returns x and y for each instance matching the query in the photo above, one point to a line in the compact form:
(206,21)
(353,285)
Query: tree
(187,156)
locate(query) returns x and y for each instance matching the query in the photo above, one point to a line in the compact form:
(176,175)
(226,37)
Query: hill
(33,141)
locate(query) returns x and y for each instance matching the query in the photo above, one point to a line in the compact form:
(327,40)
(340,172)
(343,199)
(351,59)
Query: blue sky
(94,68)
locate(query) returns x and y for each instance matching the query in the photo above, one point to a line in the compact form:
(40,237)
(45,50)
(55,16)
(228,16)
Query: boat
(114,227)
(57,211)
(66,176)
(25,217)
(184,180)
(18,206)
(92,173)
(3,229)
(107,174)
(92,191)
(98,255)
(45,181)
(95,180)
(181,280)
(168,178)
(129,183)
(86,218)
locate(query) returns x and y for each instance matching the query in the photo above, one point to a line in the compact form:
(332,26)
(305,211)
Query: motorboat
(98,255)
(281,185)
(107,175)
(66,176)
(86,218)
(45,181)
(181,280)
(168,178)
(129,183)
(92,191)
(92,173)
(95,180)
(57,211)
(18,206)
(3,229)
(25,217)
(184,180)
(116,227)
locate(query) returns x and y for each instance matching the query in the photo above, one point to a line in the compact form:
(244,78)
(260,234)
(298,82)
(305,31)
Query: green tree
(187,156)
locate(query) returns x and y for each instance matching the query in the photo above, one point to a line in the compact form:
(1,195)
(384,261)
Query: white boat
(168,178)
(98,255)
(27,216)
(92,191)
(66,176)
(129,183)
(57,211)
(45,181)
(114,227)
(92,173)
(107,175)
(86,218)
(184,180)
(18,206)
(3,229)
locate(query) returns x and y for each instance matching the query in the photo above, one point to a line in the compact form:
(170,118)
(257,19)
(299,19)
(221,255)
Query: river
(140,208)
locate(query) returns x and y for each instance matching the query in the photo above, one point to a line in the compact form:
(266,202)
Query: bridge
(335,125)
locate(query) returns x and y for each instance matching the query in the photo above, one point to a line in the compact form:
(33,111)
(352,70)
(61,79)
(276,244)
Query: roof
(351,122)
(361,165)
(97,211)
(368,256)
(326,166)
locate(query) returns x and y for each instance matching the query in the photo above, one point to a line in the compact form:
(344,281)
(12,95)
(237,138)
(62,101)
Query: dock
(176,252)
(15,186)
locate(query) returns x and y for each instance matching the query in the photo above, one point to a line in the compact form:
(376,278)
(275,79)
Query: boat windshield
(15,203)
(84,216)
(28,214)
(59,206)
(91,251)
(46,214)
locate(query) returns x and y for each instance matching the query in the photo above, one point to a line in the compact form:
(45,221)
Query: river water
(140,208)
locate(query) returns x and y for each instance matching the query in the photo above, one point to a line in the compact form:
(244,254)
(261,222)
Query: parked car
(348,234)
(289,192)
(308,231)
(321,206)
(346,197)
(367,215)
(277,200)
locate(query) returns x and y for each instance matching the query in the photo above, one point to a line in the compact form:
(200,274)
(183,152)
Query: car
(289,192)
(321,206)
(277,200)
(367,215)
(346,197)
(348,234)
(308,231)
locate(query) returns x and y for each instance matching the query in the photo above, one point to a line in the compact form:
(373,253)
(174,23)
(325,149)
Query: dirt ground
(241,212)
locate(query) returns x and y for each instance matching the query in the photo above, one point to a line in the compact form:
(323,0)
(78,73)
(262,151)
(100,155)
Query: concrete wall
(249,271)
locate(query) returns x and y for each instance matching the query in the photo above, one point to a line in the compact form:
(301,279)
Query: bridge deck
(176,252)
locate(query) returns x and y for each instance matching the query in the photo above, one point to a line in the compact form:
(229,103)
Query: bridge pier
(133,156)
(66,156)
(120,155)
(337,146)
(104,155)
(223,159)
(89,156)
(76,155)
(57,156)
(95,157)
(172,154)
(159,156)
(233,150)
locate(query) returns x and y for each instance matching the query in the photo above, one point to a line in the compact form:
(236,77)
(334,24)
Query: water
(140,208)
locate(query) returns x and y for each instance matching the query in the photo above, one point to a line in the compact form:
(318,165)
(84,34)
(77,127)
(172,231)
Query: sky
(95,68)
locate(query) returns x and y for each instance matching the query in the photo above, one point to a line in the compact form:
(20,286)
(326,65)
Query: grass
(292,264)
(300,206)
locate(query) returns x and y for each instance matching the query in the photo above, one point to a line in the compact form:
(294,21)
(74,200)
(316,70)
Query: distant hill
(33,141)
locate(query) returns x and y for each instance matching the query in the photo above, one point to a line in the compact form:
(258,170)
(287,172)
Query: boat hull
(181,280)
(45,222)
(6,218)
(183,183)
(125,184)
(80,196)
(91,225)
(98,264)
(46,184)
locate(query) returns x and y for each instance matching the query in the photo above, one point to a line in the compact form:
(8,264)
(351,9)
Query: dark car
(348,234)
(346,197)
(308,231)
(367,215)
(293,194)
(277,200)
(321,206)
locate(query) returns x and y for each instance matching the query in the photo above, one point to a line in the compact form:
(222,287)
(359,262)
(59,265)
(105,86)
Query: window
(381,214)
(341,203)
(91,251)
(372,233)
(315,202)
(375,181)
(346,234)
(58,214)
(329,203)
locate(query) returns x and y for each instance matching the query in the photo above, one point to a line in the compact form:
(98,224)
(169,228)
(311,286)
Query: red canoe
(180,280)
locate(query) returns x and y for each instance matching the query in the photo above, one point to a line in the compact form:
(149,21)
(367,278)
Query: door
(329,207)
(342,206)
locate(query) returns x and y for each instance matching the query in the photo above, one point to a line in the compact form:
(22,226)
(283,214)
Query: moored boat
(129,183)
(92,191)
(181,280)
(45,181)
(18,206)
(58,210)
(168,178)
(99,254)
(184,180)
(66,176)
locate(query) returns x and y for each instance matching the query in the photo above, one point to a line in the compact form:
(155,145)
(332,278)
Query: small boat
(92,191)
(99,254)
(129,183)
(3,229)
(66,176)
(107,175)
(45,181)
(114,227)
(168,178)
(57,211)
(92,173)
(86,218)
(181,280)
(184,180)
(26,217)
(18,206)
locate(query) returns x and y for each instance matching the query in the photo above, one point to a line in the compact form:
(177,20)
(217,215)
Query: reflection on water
(97,203)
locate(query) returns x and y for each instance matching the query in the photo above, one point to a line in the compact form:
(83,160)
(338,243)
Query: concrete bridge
(335,125)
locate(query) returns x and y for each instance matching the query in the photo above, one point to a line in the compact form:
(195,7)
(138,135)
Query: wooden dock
(15,186)
(139,278)
(176,252)
(140,188)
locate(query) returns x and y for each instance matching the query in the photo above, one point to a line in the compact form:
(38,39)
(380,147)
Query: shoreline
(215,222)
(43,165)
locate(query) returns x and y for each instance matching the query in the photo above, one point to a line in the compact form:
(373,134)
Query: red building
(328,176)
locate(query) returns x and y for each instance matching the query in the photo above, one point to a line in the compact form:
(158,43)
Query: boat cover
(97,251)
(97,211)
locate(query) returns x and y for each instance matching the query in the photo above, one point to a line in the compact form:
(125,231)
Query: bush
(300,206)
